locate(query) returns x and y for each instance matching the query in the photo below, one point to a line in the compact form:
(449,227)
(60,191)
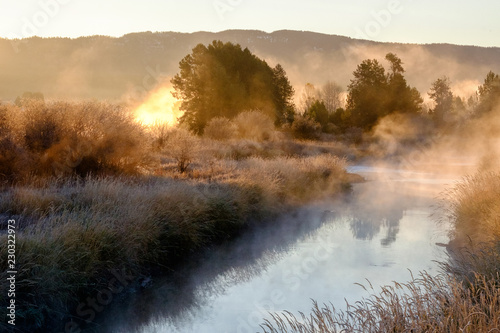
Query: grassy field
(94,192)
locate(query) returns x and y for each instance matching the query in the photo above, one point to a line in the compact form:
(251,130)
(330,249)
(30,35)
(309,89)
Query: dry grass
(71,234)
(474,208)
(426,304)
(297,179)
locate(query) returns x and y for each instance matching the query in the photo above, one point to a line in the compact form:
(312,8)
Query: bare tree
(309,96)
(330,95)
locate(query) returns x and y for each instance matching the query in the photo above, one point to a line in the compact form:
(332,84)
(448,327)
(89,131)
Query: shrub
(181,146)
(220,129)
(318,112)
(43,126)
(353,135)
(159,135)
(254,125)
(28,97)
(305,128)
(62,138)
(13,160)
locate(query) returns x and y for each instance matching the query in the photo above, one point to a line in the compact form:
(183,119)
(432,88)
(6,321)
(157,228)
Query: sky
(407,21)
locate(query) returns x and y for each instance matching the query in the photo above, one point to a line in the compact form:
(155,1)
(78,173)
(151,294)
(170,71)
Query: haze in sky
(409,21)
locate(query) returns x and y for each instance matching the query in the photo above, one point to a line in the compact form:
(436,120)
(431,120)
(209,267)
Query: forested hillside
(113,68)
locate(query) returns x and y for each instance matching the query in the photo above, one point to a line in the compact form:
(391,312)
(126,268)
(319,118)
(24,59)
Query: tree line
(223,80)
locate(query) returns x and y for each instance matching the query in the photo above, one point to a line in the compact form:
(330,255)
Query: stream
(384,231)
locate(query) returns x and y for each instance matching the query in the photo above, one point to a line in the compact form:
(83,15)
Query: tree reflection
(366,227)
(379,208)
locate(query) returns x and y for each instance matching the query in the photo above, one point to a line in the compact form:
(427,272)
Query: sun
(159,108)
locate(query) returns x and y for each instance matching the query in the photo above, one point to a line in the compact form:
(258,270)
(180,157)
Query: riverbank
(75,236)
(463,298)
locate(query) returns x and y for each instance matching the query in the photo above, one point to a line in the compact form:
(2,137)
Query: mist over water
(381,231)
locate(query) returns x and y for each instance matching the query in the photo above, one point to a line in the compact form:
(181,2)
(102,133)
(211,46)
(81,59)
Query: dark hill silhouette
(110,68)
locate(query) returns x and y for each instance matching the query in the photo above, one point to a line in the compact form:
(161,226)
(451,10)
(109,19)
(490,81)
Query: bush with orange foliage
(62,138)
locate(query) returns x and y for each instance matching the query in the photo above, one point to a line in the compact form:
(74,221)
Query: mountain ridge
(105,67)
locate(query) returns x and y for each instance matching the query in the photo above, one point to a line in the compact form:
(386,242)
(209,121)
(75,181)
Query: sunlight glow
(160,107)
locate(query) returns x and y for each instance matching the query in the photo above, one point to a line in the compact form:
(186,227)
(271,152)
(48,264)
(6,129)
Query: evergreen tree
(373,94)
(318,113)
(283,96)
(489,94)
(443,97)
(402,97)
(367,95)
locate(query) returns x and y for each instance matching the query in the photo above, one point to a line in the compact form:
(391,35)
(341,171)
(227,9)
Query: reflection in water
(374,209)
(382,204)
(187,292)
(378,233)
(365,229)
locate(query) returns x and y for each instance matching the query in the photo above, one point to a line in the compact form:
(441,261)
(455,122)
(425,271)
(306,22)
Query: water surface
(380,234)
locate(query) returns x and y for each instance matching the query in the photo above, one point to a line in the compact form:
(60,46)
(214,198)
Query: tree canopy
(489,93)
(443,97)
(366,94)
(222,80)
(373,94)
